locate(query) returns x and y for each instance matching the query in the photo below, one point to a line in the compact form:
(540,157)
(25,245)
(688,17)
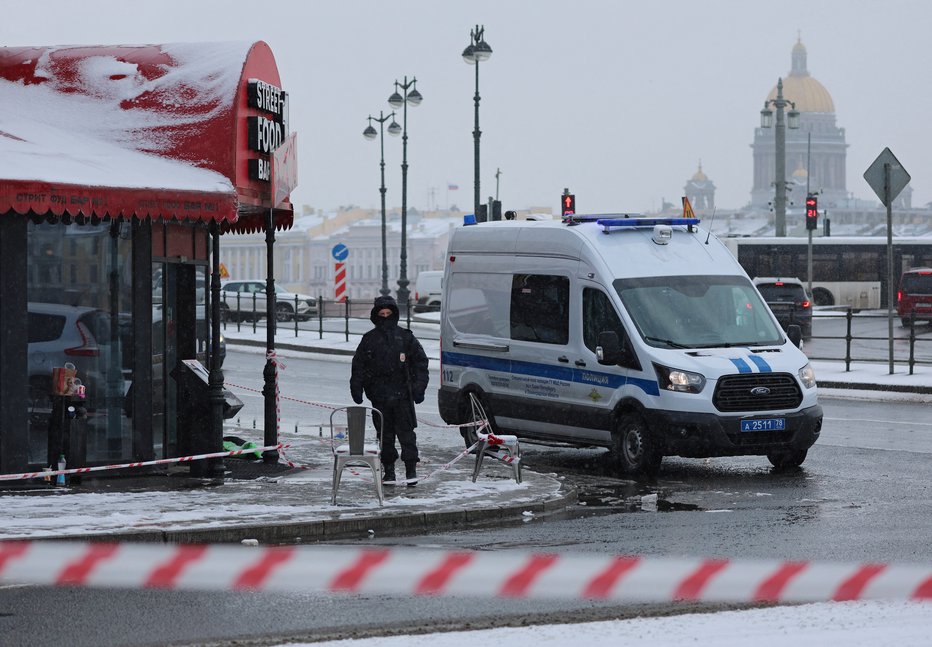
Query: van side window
(478,303)
(540,308)
(599,315)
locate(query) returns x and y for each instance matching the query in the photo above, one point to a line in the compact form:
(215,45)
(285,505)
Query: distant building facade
(303,255)
(815,151)
(701,192)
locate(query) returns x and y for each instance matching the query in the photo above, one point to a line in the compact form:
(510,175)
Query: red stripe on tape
(852,588)
(602,584)
(254,576)
(77,571)
(517,585)
(771,588)
(10,551)
(438,578)
(691,587)
(923,591)
(350,579)
(164,575)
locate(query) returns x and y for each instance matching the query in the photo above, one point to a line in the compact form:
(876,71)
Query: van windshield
(702,311)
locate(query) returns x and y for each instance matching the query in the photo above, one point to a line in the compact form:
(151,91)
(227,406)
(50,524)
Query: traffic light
(812,212)
(568,204)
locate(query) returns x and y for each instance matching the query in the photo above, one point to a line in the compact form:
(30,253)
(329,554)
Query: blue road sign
(340,252)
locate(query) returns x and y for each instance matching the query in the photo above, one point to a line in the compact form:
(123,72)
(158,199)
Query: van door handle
(580,362)
(563,358)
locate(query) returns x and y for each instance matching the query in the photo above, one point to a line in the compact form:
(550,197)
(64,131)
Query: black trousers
(398,423)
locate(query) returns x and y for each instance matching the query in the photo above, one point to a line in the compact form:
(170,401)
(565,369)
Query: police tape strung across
(504,574)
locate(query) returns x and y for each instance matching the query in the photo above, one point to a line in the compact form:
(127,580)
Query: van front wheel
(787,460)
(633,448)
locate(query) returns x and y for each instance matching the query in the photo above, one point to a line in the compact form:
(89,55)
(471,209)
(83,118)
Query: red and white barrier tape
(503,574)
(158,461)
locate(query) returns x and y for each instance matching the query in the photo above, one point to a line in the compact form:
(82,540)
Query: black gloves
(357,397)
(418,397)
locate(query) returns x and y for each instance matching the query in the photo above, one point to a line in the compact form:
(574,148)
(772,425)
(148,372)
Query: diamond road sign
(899,178)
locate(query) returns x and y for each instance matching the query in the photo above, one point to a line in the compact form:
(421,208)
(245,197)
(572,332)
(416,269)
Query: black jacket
(390,363)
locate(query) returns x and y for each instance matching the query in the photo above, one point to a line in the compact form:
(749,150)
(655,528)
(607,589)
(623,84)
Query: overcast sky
(616,100)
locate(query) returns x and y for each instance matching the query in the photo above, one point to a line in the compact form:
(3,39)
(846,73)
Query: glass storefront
(79,289)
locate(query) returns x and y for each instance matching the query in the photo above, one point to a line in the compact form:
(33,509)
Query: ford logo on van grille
(760,390)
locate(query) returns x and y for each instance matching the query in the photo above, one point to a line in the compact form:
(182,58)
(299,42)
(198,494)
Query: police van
(642,335)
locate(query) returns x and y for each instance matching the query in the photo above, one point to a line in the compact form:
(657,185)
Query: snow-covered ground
(852,624)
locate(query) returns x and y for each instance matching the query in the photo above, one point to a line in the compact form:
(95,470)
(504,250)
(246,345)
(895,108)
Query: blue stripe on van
(565,373)
(741,365)
(761,363)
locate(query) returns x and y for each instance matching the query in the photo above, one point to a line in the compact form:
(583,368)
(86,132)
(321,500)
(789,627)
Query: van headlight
(675,379)
(807,376)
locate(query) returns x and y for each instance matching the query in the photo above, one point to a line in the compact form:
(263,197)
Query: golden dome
(802,89)
(800,172)
(699,176)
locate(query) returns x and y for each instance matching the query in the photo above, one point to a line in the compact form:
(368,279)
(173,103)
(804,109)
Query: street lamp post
(398,100)
(370,133)
(478,50)
(766,121)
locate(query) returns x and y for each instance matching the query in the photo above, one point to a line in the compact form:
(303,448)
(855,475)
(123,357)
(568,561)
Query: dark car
(914,298)
(789,302)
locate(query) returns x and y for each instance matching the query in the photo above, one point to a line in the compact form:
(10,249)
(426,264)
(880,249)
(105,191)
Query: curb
(297,347)
(328,529)
(898,388)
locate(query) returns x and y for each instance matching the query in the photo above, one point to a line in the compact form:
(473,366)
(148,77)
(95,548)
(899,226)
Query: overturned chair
(504,449)
(353,450)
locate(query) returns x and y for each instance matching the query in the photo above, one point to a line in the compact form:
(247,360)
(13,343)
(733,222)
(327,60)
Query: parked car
(241,300)
(914,298)
(427,291)
(788,300)
(60,334)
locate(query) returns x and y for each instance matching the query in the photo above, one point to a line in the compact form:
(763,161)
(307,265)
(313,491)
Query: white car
(245,300)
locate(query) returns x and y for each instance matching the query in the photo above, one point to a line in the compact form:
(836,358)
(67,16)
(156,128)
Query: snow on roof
(87,116)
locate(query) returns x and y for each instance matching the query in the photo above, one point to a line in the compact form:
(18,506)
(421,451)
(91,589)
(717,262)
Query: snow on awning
(152,131)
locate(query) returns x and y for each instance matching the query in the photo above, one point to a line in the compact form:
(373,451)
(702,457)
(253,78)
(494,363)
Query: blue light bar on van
(608,223)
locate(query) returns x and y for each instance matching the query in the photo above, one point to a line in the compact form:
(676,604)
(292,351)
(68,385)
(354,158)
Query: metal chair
(349,446)
(503,448)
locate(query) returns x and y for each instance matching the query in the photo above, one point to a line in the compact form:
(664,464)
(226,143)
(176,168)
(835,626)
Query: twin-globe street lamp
(478,50)
(370,133)
(766,121)
(408,95)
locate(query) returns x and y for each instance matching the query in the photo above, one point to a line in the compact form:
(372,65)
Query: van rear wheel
(633,448)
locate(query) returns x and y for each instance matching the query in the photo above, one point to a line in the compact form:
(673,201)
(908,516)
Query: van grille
(733,392)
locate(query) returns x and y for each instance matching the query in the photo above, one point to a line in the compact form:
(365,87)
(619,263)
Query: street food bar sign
(266,133)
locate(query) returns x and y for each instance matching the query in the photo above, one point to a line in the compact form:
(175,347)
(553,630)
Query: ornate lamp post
(477,50)
(397,100)
(766,121)
(370,133)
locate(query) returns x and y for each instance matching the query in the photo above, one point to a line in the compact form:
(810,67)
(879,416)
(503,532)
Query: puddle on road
(626,497)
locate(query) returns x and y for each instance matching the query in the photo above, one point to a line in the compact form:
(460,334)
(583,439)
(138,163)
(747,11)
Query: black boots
(411,473)
(388,474)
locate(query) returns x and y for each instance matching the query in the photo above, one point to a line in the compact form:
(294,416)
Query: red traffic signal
(569,203)
(812,212)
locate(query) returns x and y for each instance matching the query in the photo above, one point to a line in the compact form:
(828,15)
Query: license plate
(764,424)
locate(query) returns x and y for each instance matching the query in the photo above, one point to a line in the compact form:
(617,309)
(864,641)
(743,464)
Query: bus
(846,270)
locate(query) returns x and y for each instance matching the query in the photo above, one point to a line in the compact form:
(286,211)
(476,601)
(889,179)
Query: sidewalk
(283,504)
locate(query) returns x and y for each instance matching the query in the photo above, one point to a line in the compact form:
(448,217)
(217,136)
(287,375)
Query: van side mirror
(795,333)
(608,350)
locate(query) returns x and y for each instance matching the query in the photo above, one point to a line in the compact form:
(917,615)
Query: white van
(427,291)
(641,335)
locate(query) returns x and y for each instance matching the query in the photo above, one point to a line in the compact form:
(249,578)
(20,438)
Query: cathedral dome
(699,176)
(799,87)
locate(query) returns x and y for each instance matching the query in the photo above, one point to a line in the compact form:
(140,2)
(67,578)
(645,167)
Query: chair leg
(377,475)
(480,453)
(337,473)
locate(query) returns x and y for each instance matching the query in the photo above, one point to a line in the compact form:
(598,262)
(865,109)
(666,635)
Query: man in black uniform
(390,366)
